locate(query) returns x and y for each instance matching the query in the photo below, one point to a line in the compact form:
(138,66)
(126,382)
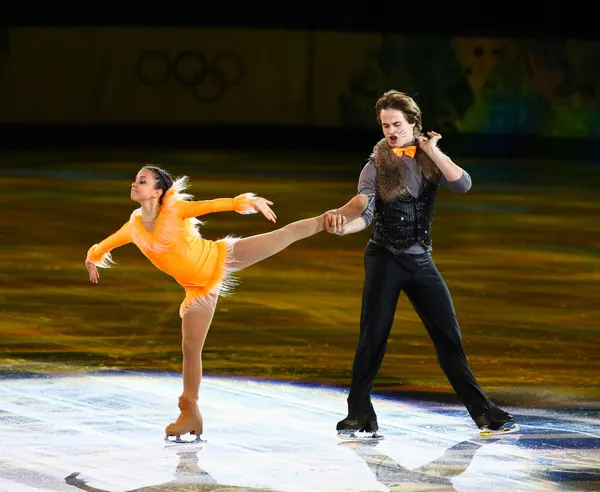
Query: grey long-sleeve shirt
(367,185)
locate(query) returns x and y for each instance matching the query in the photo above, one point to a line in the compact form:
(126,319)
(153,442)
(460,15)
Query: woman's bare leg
(195,325)
(250,250)
(194,328)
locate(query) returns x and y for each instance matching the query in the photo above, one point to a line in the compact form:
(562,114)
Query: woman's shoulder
(176,193)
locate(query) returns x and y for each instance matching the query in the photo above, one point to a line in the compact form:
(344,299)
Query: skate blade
(508,428)
(178,441)
(359,436)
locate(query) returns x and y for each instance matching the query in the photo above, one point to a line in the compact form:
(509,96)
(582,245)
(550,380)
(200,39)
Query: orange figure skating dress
(201,266)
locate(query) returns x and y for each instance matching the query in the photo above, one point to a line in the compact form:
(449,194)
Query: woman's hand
(262,205)
(93,271)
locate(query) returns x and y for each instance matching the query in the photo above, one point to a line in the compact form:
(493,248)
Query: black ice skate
(359,427)
(503,423)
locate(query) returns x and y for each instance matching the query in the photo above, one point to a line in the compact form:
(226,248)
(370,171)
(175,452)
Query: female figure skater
(164,229)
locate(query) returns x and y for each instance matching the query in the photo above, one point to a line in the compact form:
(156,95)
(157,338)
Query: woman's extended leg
(250,250)
(195,325)
(194,328)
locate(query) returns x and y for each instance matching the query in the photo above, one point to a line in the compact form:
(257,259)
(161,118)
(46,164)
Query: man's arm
(357,214)
(461,185)
(354,208)
(450,170)
(454,176)
(353,227)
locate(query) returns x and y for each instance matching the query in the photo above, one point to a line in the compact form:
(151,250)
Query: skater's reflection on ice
(436,474)
(189,476)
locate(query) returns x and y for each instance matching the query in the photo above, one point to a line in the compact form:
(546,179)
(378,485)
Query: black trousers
(386,276)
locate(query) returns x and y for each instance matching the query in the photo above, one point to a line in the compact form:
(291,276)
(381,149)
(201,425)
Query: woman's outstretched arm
(248,203)
(99,254)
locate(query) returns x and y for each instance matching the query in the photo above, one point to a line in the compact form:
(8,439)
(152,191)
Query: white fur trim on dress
(105,262)
(224,288)
(171,225)
(249,209)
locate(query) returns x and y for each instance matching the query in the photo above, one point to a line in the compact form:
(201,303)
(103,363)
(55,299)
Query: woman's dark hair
(164,181)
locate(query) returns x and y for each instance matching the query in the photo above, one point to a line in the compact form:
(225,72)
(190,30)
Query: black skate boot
(359,424)
(496,423)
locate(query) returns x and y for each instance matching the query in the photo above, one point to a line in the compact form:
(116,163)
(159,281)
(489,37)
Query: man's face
(397,131)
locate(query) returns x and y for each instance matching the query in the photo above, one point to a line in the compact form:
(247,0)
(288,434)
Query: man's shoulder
(368,163)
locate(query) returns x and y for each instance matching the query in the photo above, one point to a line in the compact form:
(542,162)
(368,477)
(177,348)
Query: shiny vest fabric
(399,223)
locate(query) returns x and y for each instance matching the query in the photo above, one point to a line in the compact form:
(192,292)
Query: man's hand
(429,145)
(335,222)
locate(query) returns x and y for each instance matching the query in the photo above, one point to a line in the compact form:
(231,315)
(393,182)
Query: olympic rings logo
(207,79)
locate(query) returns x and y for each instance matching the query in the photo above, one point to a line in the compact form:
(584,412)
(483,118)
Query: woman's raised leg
(250,250)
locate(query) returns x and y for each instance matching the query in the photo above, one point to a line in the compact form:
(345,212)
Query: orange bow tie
(409,151)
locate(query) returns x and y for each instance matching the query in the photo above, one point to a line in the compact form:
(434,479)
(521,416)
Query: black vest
(404,220)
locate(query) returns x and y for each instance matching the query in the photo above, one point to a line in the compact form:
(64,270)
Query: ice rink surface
(104,432)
